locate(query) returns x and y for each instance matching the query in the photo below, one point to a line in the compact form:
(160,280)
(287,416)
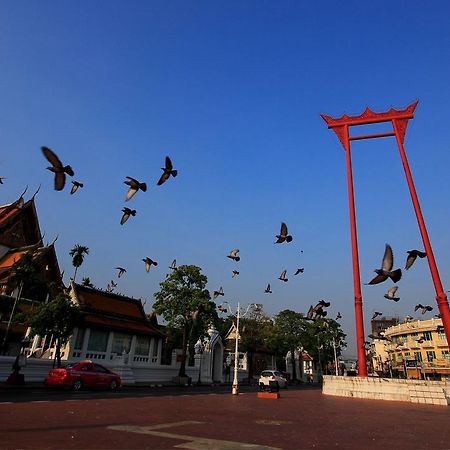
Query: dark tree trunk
(182,372)
(294,371)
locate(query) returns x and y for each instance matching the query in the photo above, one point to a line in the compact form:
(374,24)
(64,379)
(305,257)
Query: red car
(83,374)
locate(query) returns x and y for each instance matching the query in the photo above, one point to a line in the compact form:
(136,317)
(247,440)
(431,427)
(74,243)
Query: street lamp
(235,387)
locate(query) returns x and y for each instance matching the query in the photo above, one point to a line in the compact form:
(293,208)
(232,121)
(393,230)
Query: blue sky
(232,92)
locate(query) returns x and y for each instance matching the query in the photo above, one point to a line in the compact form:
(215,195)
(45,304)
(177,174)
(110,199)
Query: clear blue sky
(232,91)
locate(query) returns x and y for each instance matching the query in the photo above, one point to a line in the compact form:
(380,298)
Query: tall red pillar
(399,120)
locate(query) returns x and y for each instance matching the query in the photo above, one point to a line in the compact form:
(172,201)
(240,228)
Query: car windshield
(277,374)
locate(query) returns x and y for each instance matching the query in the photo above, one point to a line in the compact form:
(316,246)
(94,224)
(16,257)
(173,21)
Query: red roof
(10,258)
(113,310)
(124,325)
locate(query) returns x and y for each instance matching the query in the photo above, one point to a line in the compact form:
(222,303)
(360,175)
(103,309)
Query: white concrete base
(414,391)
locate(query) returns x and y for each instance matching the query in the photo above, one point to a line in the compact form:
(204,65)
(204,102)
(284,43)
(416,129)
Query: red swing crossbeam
(399,120)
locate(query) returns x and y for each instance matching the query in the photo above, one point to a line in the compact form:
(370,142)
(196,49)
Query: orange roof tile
(107,302)
(10,258)
(123,325)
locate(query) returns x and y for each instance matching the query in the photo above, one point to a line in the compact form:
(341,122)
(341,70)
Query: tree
(185,304)
(25,280)
(58,318)
(86,281)
(77,253)
(323,335)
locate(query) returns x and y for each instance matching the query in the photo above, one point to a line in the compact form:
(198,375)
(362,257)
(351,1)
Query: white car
(268,376)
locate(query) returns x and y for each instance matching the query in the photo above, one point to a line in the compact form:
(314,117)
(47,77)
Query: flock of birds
(384,273)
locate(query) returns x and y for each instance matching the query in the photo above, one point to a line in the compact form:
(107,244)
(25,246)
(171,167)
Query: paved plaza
(300,419)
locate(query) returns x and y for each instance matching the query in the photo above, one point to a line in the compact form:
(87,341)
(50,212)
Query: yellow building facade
(416,349)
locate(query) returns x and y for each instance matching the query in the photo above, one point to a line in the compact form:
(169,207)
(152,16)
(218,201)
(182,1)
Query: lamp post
(335,357)
(235,386)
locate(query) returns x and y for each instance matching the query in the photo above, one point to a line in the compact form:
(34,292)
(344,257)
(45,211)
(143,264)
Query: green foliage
(86,281)
(77,253)
(184,302)
(58,318)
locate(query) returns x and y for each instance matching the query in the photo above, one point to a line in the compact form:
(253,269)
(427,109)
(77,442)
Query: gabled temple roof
(112,311)
(19,225)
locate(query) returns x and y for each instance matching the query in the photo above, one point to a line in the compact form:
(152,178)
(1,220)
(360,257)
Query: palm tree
(77,254)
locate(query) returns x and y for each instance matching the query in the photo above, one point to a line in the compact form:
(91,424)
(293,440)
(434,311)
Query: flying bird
(222,309)
(390,294)
(57,168)
(268,290)
(423,308)
(219,292)
(1,180)
(149,263)
(235,273)
(283,236)
(318,311)
(376,314)
(412,255)
(299,271)
(339,316)
(113,284)
(121,271)
(386,268)
(234,255)
(173,266)
(324,303)
(408,318)
(135,185)
(167,171)
(76,185)
(127,212)
(282,276)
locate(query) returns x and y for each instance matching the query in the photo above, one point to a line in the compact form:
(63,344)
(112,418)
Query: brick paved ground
(302,419)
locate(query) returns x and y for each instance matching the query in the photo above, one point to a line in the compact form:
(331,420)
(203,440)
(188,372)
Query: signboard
(411,363)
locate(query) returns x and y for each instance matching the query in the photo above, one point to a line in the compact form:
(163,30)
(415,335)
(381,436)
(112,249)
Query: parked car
(272,375)
(83,374)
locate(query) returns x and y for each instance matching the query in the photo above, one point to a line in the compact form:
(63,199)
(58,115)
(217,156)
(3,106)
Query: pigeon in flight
(173,266)
(339,316)
(222,309)
(57,168)
(376,314)
(234,255)
(167,171)
(135,185)
(219,292)
(324,303)
(234,274)
(408,318)
(149,263)
(381,337)
(412,255)
(319,311)
(121,271)
(113,284)
(310,313)
(283,236)
(282,276)
(1,180)
(268,290)
(390,294)
(386,268)
(76,185)
(423,308)
(299,271)
(127,212)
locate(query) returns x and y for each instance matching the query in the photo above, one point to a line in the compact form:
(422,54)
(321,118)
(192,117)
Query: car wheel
(77,385)
(113,385)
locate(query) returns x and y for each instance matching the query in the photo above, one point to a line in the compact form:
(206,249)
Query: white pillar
(84,347)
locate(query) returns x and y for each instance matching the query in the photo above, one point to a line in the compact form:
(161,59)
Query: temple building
(29,270)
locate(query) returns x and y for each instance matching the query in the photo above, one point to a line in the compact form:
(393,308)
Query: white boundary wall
(414,391)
